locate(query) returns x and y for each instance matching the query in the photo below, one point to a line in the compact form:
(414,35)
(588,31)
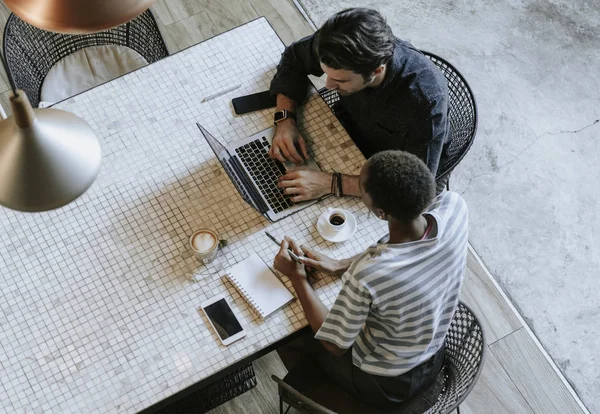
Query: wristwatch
(283,115)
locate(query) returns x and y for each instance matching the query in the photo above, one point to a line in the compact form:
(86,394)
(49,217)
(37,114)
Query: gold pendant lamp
(48,157)
(77,16)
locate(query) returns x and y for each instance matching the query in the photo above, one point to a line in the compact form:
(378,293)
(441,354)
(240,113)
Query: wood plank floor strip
(492,310)
(171,11)
(192,30)
(495,393)
(231,13)
(285,18)
(533,374)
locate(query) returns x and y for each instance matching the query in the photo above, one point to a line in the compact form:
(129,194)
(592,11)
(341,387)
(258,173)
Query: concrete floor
(531,178)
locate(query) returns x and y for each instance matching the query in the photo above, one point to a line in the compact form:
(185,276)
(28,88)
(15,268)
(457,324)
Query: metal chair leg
(458,410)
(281,406)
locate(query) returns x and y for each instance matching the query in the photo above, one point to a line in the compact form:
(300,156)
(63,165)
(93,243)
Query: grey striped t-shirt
(397,300)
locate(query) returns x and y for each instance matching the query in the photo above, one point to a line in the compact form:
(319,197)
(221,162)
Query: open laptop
(254,174)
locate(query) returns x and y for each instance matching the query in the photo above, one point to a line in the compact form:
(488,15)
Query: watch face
(279,115)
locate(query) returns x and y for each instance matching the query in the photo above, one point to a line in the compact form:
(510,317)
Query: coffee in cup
(336,220)
(205,244)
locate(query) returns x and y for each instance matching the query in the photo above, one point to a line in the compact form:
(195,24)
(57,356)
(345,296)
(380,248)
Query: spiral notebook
(257,283)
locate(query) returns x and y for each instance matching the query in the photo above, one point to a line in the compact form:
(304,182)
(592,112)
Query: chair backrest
(31,52)
(462,115)
(463,360)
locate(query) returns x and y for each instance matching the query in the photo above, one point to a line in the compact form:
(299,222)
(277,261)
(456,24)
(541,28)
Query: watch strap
(286,115)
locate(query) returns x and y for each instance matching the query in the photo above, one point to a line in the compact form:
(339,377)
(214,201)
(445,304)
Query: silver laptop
(254,174)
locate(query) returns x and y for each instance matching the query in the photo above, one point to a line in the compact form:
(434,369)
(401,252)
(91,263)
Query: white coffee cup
(336,220)
(205,244)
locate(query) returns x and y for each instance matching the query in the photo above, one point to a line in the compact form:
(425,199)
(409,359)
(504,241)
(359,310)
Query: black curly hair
(400,184)
(356,39)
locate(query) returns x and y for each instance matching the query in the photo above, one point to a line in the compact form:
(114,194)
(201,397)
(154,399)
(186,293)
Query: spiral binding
(242,292)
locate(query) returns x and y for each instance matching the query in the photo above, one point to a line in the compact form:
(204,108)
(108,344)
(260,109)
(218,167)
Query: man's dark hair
(400,184)
(355,39)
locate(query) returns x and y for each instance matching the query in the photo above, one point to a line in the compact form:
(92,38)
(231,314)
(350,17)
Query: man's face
(345,82)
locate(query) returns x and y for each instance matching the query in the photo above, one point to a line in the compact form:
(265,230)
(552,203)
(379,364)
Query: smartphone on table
(223,320)
(255,102)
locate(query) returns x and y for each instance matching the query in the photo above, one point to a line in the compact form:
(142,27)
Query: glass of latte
(205,244)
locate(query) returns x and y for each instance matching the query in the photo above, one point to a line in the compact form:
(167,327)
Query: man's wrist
(282,114)
(286,121)
(300,282)
(285,102)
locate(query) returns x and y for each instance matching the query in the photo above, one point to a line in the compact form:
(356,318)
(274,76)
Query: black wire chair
(464,352)
(462,115)
(31,52)
(213,395)
(464,355)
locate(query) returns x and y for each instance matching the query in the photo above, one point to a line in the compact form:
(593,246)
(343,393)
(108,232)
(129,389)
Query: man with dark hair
(398,297)
(391,97)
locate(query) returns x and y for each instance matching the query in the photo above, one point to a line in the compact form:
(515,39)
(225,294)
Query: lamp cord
(8,74)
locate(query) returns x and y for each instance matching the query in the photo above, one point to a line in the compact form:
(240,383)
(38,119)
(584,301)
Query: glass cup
(205,244)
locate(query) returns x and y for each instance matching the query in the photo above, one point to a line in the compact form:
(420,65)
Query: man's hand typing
(305,184)
(288,144)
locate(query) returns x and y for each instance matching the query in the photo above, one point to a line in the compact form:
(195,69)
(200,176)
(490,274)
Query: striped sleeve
(348,314)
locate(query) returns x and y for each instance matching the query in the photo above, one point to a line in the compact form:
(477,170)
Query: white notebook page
(259,285)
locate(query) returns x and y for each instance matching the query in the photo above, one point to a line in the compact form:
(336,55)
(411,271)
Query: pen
(218,94)
(292,254)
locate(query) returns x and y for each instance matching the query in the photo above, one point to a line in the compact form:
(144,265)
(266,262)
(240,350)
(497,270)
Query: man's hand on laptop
(305,184)
(288,144)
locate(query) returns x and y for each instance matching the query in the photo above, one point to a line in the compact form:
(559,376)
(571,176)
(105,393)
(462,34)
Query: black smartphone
(254,102)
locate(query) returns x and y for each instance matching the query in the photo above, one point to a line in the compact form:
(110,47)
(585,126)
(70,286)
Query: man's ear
(378,70)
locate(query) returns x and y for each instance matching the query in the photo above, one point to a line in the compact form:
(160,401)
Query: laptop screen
(230,166)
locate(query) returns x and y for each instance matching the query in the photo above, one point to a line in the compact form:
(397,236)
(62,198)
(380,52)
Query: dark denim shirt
(408,111)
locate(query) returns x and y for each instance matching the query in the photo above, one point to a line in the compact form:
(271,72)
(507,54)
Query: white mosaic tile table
(98,313)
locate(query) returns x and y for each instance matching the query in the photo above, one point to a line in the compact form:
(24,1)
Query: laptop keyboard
(265,171)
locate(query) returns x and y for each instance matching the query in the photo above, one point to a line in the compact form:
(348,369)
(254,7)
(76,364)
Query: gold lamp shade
(48,157)
(77,16)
